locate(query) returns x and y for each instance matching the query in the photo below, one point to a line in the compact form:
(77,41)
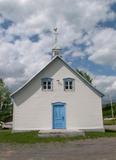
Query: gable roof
(71,69)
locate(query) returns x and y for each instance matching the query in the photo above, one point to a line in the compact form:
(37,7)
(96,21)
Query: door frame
(55,104)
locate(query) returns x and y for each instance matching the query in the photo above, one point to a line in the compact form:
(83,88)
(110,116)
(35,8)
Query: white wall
(33,107)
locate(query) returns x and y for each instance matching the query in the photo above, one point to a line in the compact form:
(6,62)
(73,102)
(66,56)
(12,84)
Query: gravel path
(95,149)
(112,127)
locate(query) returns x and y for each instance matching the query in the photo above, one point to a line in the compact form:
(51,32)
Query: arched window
(68,84)
(47,84)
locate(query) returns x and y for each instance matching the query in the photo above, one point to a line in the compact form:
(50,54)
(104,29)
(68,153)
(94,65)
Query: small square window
(47,84)
(68,84)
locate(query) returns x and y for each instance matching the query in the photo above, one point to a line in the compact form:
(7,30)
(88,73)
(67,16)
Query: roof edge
(84,80)
(75,72)
(30,79)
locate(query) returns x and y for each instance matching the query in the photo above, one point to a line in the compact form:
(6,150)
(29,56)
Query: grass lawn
(32,137)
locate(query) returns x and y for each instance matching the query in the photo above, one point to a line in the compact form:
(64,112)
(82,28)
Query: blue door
(58,116)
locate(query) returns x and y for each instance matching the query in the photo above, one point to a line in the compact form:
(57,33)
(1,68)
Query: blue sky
(87,37)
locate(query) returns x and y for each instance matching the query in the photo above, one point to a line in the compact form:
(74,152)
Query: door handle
(63,118)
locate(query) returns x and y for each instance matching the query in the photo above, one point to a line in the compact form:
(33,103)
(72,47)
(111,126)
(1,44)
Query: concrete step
(60,133)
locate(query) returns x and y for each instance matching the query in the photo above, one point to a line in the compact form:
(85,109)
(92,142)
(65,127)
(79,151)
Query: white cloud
(103,48)
(36,15)
(21,59)
(107,84)
(10,81)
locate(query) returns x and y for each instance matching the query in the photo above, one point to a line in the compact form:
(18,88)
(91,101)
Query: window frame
(69,87)
(47,80)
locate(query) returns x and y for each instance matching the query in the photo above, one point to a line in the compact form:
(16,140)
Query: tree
(85,75)
(5,102)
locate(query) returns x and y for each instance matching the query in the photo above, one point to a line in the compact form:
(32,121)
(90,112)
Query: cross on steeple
(56,49)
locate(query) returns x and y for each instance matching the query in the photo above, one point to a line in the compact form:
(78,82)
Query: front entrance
(59,120)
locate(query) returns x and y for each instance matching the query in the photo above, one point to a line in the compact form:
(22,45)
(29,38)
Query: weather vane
(55,38)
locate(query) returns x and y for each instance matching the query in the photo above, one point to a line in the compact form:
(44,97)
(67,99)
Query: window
(68,83)
(47,83)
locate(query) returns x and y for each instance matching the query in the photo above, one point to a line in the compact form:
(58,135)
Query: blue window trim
(58,103)
(55,104)
(68,79)
(47,79)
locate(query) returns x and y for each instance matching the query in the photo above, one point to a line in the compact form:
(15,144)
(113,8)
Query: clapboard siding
(33,107)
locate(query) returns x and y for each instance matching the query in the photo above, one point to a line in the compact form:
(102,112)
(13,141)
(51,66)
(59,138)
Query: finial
(56,49)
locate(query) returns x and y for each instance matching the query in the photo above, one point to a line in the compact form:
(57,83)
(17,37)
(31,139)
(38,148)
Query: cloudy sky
(87,36)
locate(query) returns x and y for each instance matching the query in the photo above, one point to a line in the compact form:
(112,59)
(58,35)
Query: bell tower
(56,49)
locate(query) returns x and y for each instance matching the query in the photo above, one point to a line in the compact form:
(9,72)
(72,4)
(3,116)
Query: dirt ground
(95,149)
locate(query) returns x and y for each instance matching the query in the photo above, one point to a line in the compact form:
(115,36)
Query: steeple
(56,49)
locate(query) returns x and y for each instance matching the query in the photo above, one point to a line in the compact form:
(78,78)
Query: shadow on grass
(6,136)
(110,131)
